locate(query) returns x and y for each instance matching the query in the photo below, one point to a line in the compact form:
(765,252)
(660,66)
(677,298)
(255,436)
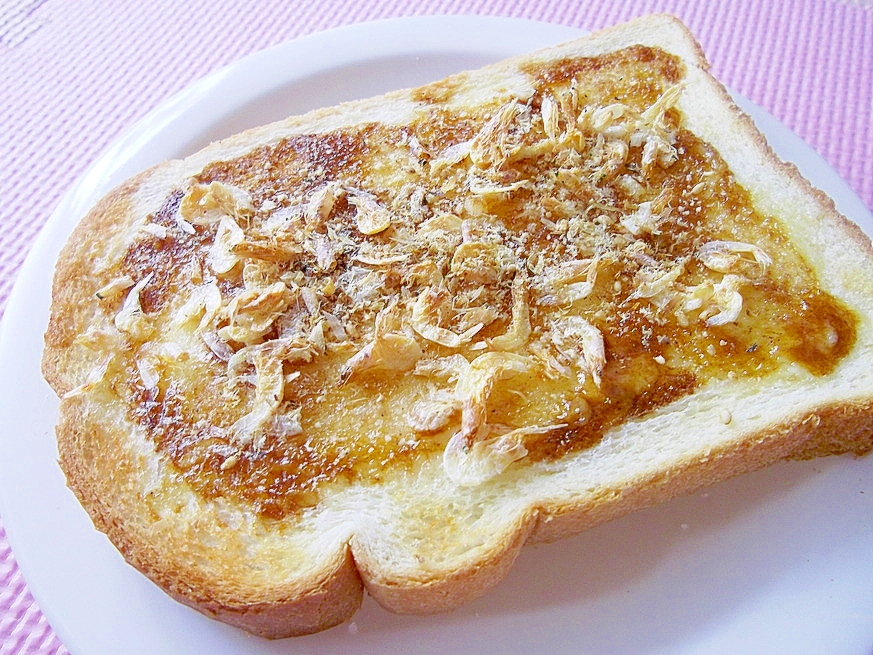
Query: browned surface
(785,317)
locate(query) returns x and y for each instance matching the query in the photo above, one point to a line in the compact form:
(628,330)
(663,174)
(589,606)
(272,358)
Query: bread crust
(72,279)
(829,430)
(216,557)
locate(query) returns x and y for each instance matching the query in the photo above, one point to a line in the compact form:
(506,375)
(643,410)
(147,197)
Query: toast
(383,345)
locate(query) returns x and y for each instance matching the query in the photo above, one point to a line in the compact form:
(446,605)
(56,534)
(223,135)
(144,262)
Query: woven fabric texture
(75,74)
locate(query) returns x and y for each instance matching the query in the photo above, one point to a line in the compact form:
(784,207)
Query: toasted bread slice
(382,345)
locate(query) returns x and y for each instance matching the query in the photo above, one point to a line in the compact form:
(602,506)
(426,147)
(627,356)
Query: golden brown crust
(439,593)
(830,430)
(332,601)
(422,537)
(860,239)
(105,485)
(73,279)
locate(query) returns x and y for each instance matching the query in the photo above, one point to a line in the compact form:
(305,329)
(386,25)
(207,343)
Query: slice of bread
(383,345)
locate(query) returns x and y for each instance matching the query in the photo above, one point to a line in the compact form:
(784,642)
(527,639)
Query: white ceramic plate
(780,561)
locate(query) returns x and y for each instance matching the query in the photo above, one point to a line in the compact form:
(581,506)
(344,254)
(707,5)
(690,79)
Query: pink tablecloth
(74,75)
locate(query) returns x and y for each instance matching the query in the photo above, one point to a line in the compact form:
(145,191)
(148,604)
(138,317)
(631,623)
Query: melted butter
(566,207)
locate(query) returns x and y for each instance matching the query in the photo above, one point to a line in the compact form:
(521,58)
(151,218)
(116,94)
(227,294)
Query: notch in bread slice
(383,345)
